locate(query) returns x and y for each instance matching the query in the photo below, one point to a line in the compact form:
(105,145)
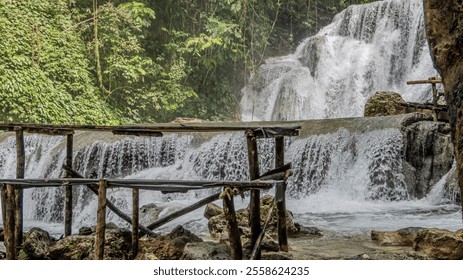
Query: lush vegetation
(108,62)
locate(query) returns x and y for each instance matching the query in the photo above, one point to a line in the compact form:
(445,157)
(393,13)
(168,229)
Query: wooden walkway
(12,200)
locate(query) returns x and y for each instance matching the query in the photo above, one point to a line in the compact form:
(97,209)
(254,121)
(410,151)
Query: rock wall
(444,27)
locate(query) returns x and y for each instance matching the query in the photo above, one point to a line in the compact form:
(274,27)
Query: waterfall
(367,48)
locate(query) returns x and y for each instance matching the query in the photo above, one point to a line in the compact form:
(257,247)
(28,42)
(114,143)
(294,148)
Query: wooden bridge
(12,189)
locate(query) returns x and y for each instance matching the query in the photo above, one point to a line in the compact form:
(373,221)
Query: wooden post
(18,192)
(101,221)
(9,231)
(68,190)
(3,201)
(280,197)
(135,221)
(254,205)
(232,225)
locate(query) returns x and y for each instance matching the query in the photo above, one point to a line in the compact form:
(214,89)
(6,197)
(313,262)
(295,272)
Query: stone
(401,237)
(384,103)
(149,213)
(212,210)
(147,257)
(77,247)
(85,231)
(303,231)
(170,246)
(187,120)
(37,244)
(2,235)
(440,244)
(206,251)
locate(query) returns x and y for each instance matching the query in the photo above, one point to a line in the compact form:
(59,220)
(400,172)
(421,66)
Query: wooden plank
(254,205)
(184,211)
(280,196)
(101,221)
(68,189)
(20,171)
(135,221)
(94,188)
(9,231)
(232,225)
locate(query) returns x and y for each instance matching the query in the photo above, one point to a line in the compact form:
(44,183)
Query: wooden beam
(3,201)
(280,197)
(254,205)
(9,231)
(68,189)
(135,221)
(20,171)
(184,211)
(101,221)
(137,132)
(232,225)
(256,248)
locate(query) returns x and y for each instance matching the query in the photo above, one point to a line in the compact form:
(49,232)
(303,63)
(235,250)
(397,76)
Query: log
(9,231)
(20,170)
(3,201)
(183,211)
(135,221)
(280,196)
(256,248)
(254,205)
(232,225)
(419,82)
(68,190)
(110,205)
(101,221)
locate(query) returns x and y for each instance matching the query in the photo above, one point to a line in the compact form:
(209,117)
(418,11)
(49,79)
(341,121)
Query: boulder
(170,246)
(206,251)
(86,231)
(440,244)
(37,244)
(212,210)
(149,213)
(401,237)
(384,103)
(77,247)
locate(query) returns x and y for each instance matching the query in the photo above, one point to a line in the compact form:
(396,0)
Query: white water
(345,181)
(367,48)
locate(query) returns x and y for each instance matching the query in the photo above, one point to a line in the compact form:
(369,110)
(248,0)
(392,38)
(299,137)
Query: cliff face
(444,27)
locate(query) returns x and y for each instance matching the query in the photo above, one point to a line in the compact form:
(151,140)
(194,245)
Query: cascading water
(347,177)
(367,48)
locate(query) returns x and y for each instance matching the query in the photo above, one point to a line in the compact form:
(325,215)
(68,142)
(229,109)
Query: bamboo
(184,211)
(232,225)
(256,249)
(135,221)
(101,221)
(254,205)
(9,230)
(18,193)
(68,190)
(280,196)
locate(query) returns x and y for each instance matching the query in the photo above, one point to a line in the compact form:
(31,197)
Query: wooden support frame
(9,231)
(280,196)
(135,221)
(101,221)
(18,193)
(232,225)
(254,204)
(68,188)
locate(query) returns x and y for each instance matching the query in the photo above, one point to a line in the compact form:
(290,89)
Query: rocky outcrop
(384,103)
(37,244)
(444,27)
(401,237)
(440,244)
(149,213)
(206,251)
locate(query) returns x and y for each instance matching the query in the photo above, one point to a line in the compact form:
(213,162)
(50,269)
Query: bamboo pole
(68,190)
(18,192)
(232,225)
(135,221)
(101,221)
(256,248)
(111,206)
(254,205)
(9,231)
(280,198)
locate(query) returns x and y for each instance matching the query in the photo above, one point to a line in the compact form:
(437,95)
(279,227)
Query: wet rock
(401,237)
(2,236)
(303,231)
(360,257)
(440,244)
(276,256)
(206,251)
(37,244)
(149,213)
(384,103)
(2,251)
(146,256)
(85,231)
(212,210)
(170,246)
(76,247)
